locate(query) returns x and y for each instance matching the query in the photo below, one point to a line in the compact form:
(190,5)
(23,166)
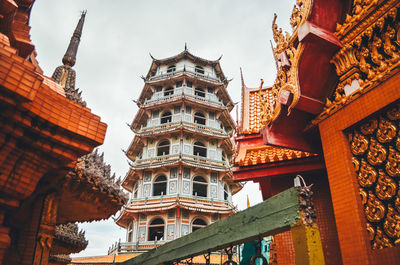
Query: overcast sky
(114,52)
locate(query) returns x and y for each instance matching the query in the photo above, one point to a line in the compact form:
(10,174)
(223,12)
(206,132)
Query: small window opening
(200,186)
(163,148)
(166,117)
(189,84)
(197,224)
(226,192)
(156,230)
(160,186)
(199,92)
(168,91)
(171,69)
(199,118)
(199,149)
(199,69)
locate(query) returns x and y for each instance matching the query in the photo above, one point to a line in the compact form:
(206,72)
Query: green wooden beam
(275,215)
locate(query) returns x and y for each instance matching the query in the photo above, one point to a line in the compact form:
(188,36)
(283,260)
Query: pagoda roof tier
(68,239)
(181,159)
(186,55)
(168,202)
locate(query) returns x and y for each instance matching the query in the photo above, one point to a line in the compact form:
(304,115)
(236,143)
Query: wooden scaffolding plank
(275,215)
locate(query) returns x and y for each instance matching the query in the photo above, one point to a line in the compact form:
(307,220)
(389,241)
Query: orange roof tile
(268,154)
(103,259)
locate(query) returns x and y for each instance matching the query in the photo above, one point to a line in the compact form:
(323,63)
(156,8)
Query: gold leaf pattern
(367,174)
(381,241)
(392,223)
(371,231)
(374,209)
(394,113)
(385,187)
(376,154)
(386,131)
(359,144)
(392,164)
(364,196)
(369,127)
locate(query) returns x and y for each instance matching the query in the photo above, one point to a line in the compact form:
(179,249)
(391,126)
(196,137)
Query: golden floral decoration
(385,187)
(374,209)
(392,223)
(376,154)
(394,113)
(359,144)
(371,231)
(386,131)
(356,163)
(366,175)
(364,196)
(369,127)
(393,163)
(381,240)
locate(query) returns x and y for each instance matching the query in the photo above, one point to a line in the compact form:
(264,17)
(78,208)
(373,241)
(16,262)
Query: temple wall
(351,223)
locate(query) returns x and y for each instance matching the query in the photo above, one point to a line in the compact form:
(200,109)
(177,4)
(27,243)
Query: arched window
(168,91)
(163,148)
(160,186)
(226,192)
(198,91)
(199,69)
(199,118)
(171,68)
(197,224)
(166,117)
(200,186)
(156,230)
(199,149)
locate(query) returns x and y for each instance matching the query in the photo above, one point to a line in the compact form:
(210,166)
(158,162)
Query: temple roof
(68,239)
(186,54)
(251,107)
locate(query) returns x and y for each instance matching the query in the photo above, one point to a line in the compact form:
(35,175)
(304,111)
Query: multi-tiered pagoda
(180,177)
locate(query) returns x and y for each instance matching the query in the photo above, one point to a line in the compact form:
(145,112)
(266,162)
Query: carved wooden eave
(68,239)
(130,179)
(134,148)
(370,55)
(90,192)
(305,77)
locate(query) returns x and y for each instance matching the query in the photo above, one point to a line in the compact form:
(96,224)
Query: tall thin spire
(70,55)
(64,74)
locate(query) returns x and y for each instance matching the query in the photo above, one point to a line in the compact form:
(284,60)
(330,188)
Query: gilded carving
(369,127)
(376,154)
(392,164)
(371,231)
(359,144)
(398,143)
(394,113)
(364,196)
(392,223)
(386,131)
(367,174)
(397,201)
(381,240)
(356,163)
(385,187)
(374,209)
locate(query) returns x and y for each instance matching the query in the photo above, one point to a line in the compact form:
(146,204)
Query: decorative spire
(70,55)
(241,77)
(64,74)
(185,46)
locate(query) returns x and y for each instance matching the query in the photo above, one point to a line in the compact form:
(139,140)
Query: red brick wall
(325,220)
(353,237)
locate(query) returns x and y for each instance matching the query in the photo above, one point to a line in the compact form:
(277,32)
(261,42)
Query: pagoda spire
(64,74)
(70,55)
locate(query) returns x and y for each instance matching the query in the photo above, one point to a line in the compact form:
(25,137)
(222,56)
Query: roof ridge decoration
(371,53)
(287,53)
(64,74)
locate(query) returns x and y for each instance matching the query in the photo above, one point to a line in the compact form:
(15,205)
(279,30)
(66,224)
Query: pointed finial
(241,77)
(70,55)
(185,46)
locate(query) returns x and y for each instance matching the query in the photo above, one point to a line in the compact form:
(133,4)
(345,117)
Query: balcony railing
(185,92)
(208,76)
(178,122)
(199,161)
(124,247)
